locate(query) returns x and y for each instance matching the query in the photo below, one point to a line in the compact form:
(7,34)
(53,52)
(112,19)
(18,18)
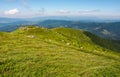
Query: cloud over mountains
(63,11)
(12,12)
(89,11)
(36,8)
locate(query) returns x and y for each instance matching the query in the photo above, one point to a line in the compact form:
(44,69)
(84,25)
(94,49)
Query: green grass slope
(59,52)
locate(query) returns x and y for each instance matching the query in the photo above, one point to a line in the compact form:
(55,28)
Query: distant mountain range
(104,28)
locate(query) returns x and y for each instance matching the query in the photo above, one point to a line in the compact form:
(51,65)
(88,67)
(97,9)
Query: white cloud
(89,11)
(11,12)
(63,12)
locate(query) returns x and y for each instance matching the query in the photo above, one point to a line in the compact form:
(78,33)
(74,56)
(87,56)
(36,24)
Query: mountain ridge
(63,52)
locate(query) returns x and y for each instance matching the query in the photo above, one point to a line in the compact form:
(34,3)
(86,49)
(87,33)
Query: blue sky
(37,8)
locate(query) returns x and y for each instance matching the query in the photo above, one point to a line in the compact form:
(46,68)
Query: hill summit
(33,51)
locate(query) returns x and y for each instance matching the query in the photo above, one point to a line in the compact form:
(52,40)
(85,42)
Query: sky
(73,8)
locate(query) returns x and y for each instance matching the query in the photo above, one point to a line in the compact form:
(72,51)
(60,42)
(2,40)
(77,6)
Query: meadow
(58,52)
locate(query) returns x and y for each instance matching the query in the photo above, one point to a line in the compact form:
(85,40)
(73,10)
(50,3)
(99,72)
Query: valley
(104,29)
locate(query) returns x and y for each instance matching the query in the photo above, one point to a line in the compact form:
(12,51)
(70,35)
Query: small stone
(68,44)
(50,40)
(31,36)
(81,47)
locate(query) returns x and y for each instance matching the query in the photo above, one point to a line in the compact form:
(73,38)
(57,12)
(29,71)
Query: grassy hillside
(58,52)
